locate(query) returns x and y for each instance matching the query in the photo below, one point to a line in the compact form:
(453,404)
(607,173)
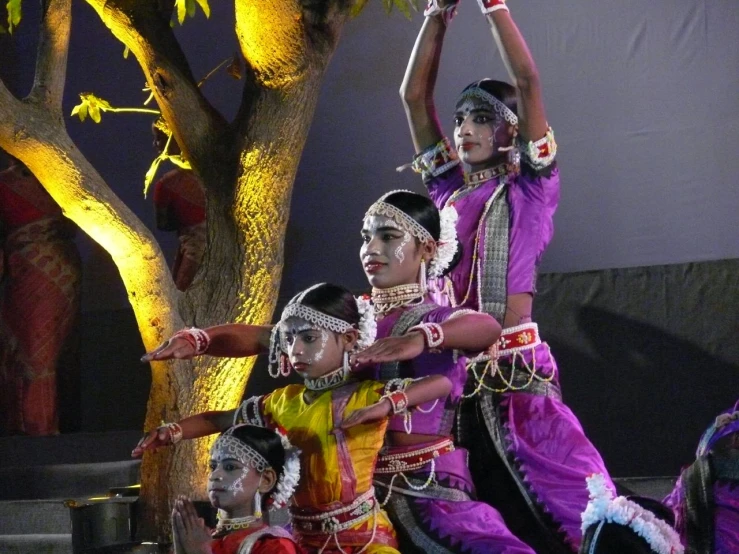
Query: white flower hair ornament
(367,324)
(605,507)
(446,246)
(288,481)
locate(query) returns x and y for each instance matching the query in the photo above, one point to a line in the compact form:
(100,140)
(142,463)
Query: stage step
(76,448)
(30,517)
(66,480)
(36,544)
(652,487)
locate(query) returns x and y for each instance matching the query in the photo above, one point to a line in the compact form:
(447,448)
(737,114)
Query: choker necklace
(386,300)
(226,525)
(485,174)
(328,381)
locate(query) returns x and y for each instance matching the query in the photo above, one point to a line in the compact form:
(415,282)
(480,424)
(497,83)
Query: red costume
(179,199)
(266,542)
(40,299)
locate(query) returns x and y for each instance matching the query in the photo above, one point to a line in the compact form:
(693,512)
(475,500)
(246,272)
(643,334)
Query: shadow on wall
(646,368)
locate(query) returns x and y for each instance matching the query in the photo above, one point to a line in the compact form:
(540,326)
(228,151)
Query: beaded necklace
(226,525)
(386,300)
(485,175)
(327,381)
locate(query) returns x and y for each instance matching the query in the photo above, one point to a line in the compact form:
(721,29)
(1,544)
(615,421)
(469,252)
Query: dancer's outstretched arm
(532,120)
(417,90)
(471,332)
(193,427)
(423,390)
(233,340)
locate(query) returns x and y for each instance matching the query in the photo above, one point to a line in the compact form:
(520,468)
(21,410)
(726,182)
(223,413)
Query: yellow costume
(334,502)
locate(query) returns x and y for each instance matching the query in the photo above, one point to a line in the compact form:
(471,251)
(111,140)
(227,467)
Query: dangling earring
(284,366)
(257,504)
(423,277)
(345,365)
(514,154)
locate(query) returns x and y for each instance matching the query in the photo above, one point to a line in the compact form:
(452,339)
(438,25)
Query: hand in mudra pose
(190,534)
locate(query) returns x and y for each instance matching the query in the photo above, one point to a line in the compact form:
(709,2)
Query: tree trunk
(248,168)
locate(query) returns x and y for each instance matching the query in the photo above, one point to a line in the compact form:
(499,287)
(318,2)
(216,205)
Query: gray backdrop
(643,99)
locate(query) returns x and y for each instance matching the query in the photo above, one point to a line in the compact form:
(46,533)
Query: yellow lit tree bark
(247,165)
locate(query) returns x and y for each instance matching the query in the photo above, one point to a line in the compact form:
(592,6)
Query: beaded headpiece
(403,219)
(447,244)
(228,446)
(725,424)
(475,92)
(605,507)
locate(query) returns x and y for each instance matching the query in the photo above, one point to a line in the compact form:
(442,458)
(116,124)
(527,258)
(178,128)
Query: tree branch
(200,130)
(51,60)
(285,44)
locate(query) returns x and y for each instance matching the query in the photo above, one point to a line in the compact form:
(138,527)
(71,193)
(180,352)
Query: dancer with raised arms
(529,455)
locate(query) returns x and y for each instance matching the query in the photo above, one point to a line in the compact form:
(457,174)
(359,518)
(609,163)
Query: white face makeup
(386,250)
(477,132)
(312,351)
(399,254)
(324,340)
(238,484)
(231,484)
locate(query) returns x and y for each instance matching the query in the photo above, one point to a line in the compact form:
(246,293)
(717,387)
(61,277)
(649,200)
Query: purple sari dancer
(421,476)
(706,496)
(529,456)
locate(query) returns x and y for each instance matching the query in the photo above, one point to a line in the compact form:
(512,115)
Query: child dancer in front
(528,453)
(248,465)
(338,423)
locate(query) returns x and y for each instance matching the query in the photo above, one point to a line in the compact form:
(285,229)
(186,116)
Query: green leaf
(94,111)
(388,5)
(151,173)
(179,161)
(205,7)
(191,8)
(404,7)
(126,52)
(82,112)
(358,7)
(14,14)
(181,6)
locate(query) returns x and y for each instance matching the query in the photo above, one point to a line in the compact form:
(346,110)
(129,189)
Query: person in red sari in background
(39,303)
(179,201)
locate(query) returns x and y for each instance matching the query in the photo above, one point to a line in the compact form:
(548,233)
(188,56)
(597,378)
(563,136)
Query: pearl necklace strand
(386,300)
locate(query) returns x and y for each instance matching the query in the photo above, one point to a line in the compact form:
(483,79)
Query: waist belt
(413,459)
(329,522)
(505,369)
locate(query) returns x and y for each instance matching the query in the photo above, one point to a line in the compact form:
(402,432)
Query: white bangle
(175,432)
(490,6)
(433,334)
(447,13)
(197,337)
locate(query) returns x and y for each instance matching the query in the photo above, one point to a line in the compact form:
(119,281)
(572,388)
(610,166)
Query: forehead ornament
(476,93)
(228,446)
